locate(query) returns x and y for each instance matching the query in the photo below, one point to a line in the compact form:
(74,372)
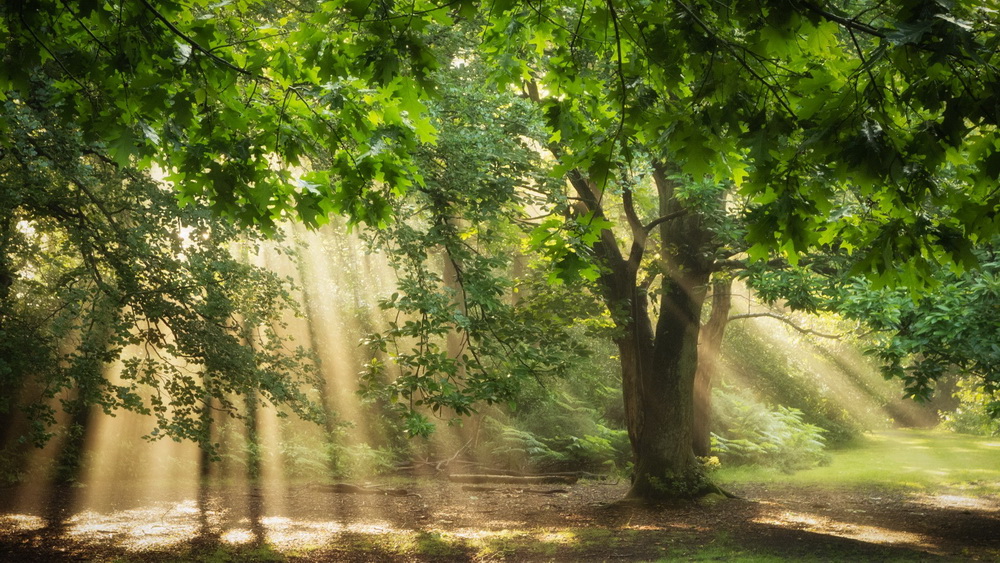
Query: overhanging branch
(194,44)
(668,217)
(849,24)
(788,322)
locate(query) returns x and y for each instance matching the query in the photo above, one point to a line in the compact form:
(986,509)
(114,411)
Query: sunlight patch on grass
(237,536)
(562,537)
(919,460)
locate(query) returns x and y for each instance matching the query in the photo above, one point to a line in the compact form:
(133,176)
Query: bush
(562,427)
(748,432)
(973,414)
(605,449)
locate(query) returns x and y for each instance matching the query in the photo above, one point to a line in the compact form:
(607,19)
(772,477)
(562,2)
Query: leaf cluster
(101,266)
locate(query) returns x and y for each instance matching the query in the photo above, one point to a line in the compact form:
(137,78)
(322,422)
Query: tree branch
(849,24)
(788,322)
(668,217)
(194,44)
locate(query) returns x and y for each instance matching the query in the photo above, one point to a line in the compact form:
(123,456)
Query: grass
(918,460)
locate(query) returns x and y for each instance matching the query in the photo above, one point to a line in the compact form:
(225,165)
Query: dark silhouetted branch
(788,322)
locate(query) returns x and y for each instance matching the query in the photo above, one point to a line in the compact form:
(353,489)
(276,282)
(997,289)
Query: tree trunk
(662,379)
(658,366)
(709,350)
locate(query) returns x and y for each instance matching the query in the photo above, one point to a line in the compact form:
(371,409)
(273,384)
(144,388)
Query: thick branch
(849,24)
(668,217)
(607,247)
(723,265)
(634,223)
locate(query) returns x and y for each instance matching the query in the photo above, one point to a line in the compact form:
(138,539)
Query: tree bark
(666,466)
(709,350)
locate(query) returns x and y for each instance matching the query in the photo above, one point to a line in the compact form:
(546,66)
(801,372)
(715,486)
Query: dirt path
(442,521)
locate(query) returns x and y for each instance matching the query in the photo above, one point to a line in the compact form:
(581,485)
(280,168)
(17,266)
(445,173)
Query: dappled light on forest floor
(828,526)
(22,522)
(443,521)
(959,501)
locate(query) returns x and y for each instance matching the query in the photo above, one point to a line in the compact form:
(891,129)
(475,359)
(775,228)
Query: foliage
(560,433)
(919,336)
(975,413)
(101,266)
(799,105)
(468,329)
(749,432)
(783,380)
(217,93)
(951,329)
(311,458)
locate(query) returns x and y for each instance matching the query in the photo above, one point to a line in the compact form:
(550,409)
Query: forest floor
(942,516)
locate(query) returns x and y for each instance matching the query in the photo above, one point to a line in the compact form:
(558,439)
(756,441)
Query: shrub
(973,414)
(604,449)
(748,432)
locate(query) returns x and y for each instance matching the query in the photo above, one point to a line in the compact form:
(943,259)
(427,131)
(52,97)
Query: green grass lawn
(920,460)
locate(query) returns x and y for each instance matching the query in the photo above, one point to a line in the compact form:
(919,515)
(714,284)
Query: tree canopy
(113,297)
(802,105)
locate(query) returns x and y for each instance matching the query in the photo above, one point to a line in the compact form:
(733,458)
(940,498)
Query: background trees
(115,298)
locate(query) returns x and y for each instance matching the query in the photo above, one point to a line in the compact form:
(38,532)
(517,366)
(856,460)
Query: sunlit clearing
(886,459)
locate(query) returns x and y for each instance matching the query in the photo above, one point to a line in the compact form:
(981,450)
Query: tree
(922,339)
(801,106)
(100,266)
(460,335)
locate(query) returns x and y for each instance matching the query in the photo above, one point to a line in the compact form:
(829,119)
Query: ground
(868,504)
(447,522)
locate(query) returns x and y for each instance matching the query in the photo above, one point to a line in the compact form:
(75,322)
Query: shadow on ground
(442,521)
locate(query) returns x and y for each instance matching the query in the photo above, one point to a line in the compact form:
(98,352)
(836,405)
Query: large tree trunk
(663,382)
(658,366)
(709,350)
